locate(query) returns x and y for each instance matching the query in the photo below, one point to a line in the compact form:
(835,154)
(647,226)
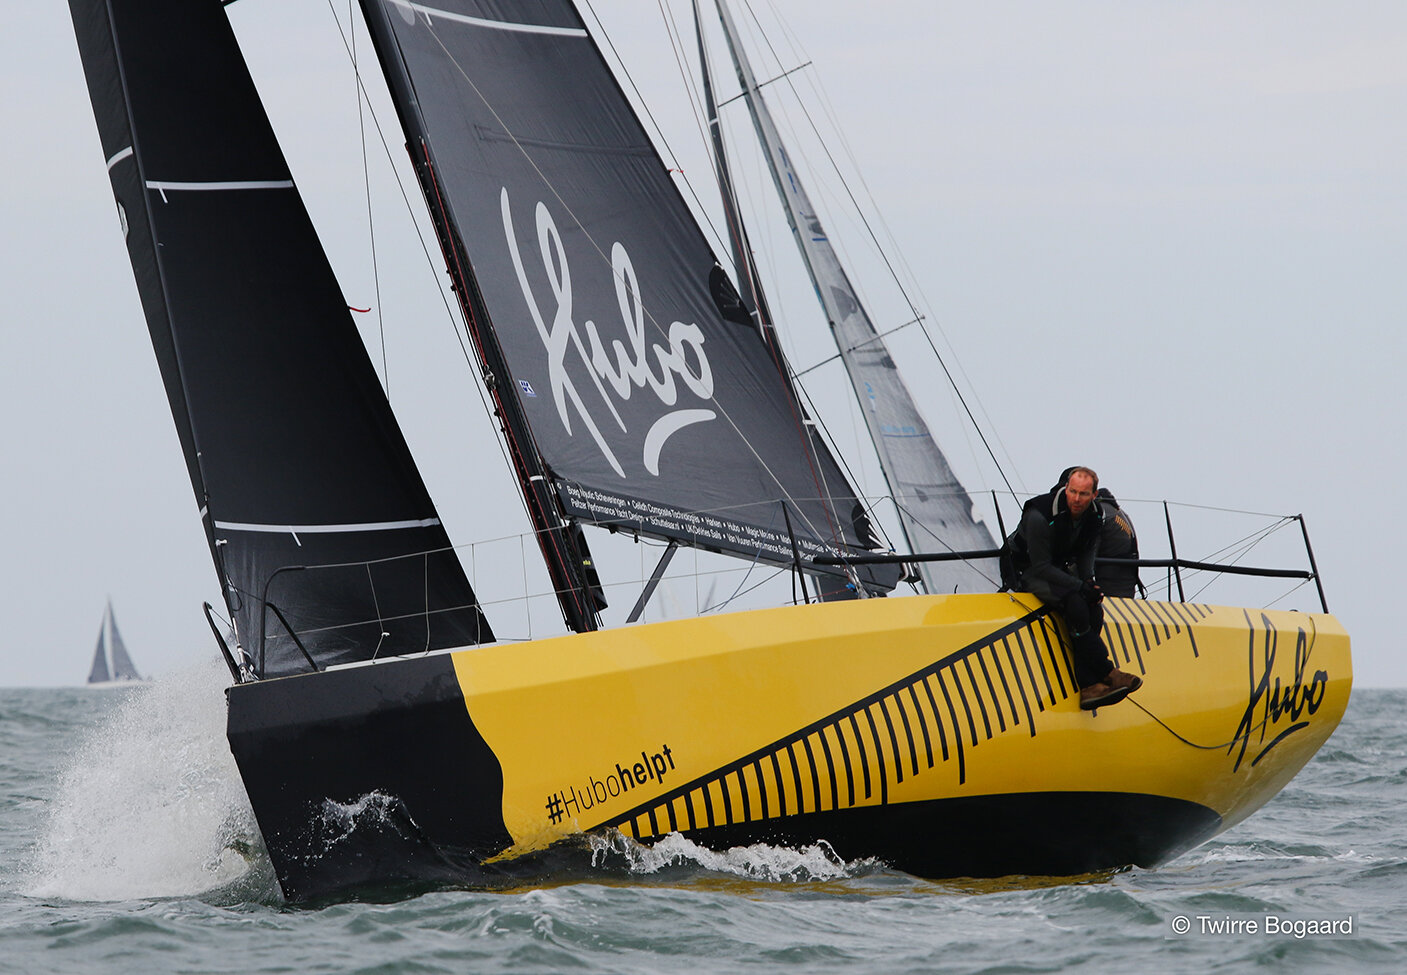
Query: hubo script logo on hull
(631,369)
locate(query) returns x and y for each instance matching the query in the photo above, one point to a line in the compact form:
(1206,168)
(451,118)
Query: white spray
(151,803)
(760,861)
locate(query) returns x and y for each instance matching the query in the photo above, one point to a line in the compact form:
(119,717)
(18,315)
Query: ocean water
(128,846)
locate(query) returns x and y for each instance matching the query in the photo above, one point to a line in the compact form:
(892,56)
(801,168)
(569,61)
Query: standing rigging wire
(457,326)
(741,248)
(872,377)
(410,212)
(366,182)
(742,261)
(699,210)
(743,258)
(747,272)
(885,257)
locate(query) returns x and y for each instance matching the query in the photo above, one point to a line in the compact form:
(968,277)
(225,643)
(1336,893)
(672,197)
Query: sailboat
(111,663)
(384,731)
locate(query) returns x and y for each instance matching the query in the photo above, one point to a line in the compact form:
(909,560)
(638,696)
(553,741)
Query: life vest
(1065,534)
(1117,540)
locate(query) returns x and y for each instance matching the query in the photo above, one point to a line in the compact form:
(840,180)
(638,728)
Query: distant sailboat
(111,664)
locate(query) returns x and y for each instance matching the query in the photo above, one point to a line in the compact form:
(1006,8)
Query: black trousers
(1084,616)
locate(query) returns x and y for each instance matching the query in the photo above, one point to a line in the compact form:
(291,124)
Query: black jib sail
(625,364)
(317,517)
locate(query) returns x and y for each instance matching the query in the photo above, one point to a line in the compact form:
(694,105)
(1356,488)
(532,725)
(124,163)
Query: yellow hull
(902,728)
(815,708)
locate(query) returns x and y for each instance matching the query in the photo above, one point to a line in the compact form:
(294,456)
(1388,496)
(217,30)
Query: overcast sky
(1168,240)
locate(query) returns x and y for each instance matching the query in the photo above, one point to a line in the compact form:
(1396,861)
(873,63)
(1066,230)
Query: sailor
(1052,555)
(1117,540)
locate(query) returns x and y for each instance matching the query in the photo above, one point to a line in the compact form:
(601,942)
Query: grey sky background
(1166,240)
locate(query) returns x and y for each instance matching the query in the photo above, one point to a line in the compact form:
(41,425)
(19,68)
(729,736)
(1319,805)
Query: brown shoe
(1117,679)
(1101,695)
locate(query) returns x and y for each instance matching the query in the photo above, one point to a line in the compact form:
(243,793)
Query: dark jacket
(1117,540)
(1051,554)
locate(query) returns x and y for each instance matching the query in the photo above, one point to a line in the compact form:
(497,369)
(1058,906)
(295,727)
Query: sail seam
(494,24)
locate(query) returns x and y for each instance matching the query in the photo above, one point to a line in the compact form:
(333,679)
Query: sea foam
(759,861)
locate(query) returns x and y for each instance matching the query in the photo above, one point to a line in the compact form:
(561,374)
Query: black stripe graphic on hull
(977,688)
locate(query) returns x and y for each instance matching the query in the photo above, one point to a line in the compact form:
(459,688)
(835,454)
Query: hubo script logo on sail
(631,369)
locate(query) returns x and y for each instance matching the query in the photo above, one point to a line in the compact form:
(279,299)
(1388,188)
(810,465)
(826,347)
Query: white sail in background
(99,673)
(935,511)
(122,666)
(111,662)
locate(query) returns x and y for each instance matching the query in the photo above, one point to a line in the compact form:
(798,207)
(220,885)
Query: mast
(748,275)
(563,545)
(737,230)
(934,509)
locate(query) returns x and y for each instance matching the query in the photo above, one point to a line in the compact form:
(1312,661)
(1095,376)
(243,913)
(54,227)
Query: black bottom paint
(1055,834)
(368,778)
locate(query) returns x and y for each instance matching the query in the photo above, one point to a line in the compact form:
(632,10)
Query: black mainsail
(635,391)
(315,513)
(935,512)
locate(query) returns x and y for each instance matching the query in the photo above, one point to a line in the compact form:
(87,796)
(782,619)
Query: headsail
(934,510)
(311,502)
(122,666)
(99,673)
(606,324)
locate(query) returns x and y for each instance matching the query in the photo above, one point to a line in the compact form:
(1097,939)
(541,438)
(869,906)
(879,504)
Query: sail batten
(216,185)
(492,24)
(378,526)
